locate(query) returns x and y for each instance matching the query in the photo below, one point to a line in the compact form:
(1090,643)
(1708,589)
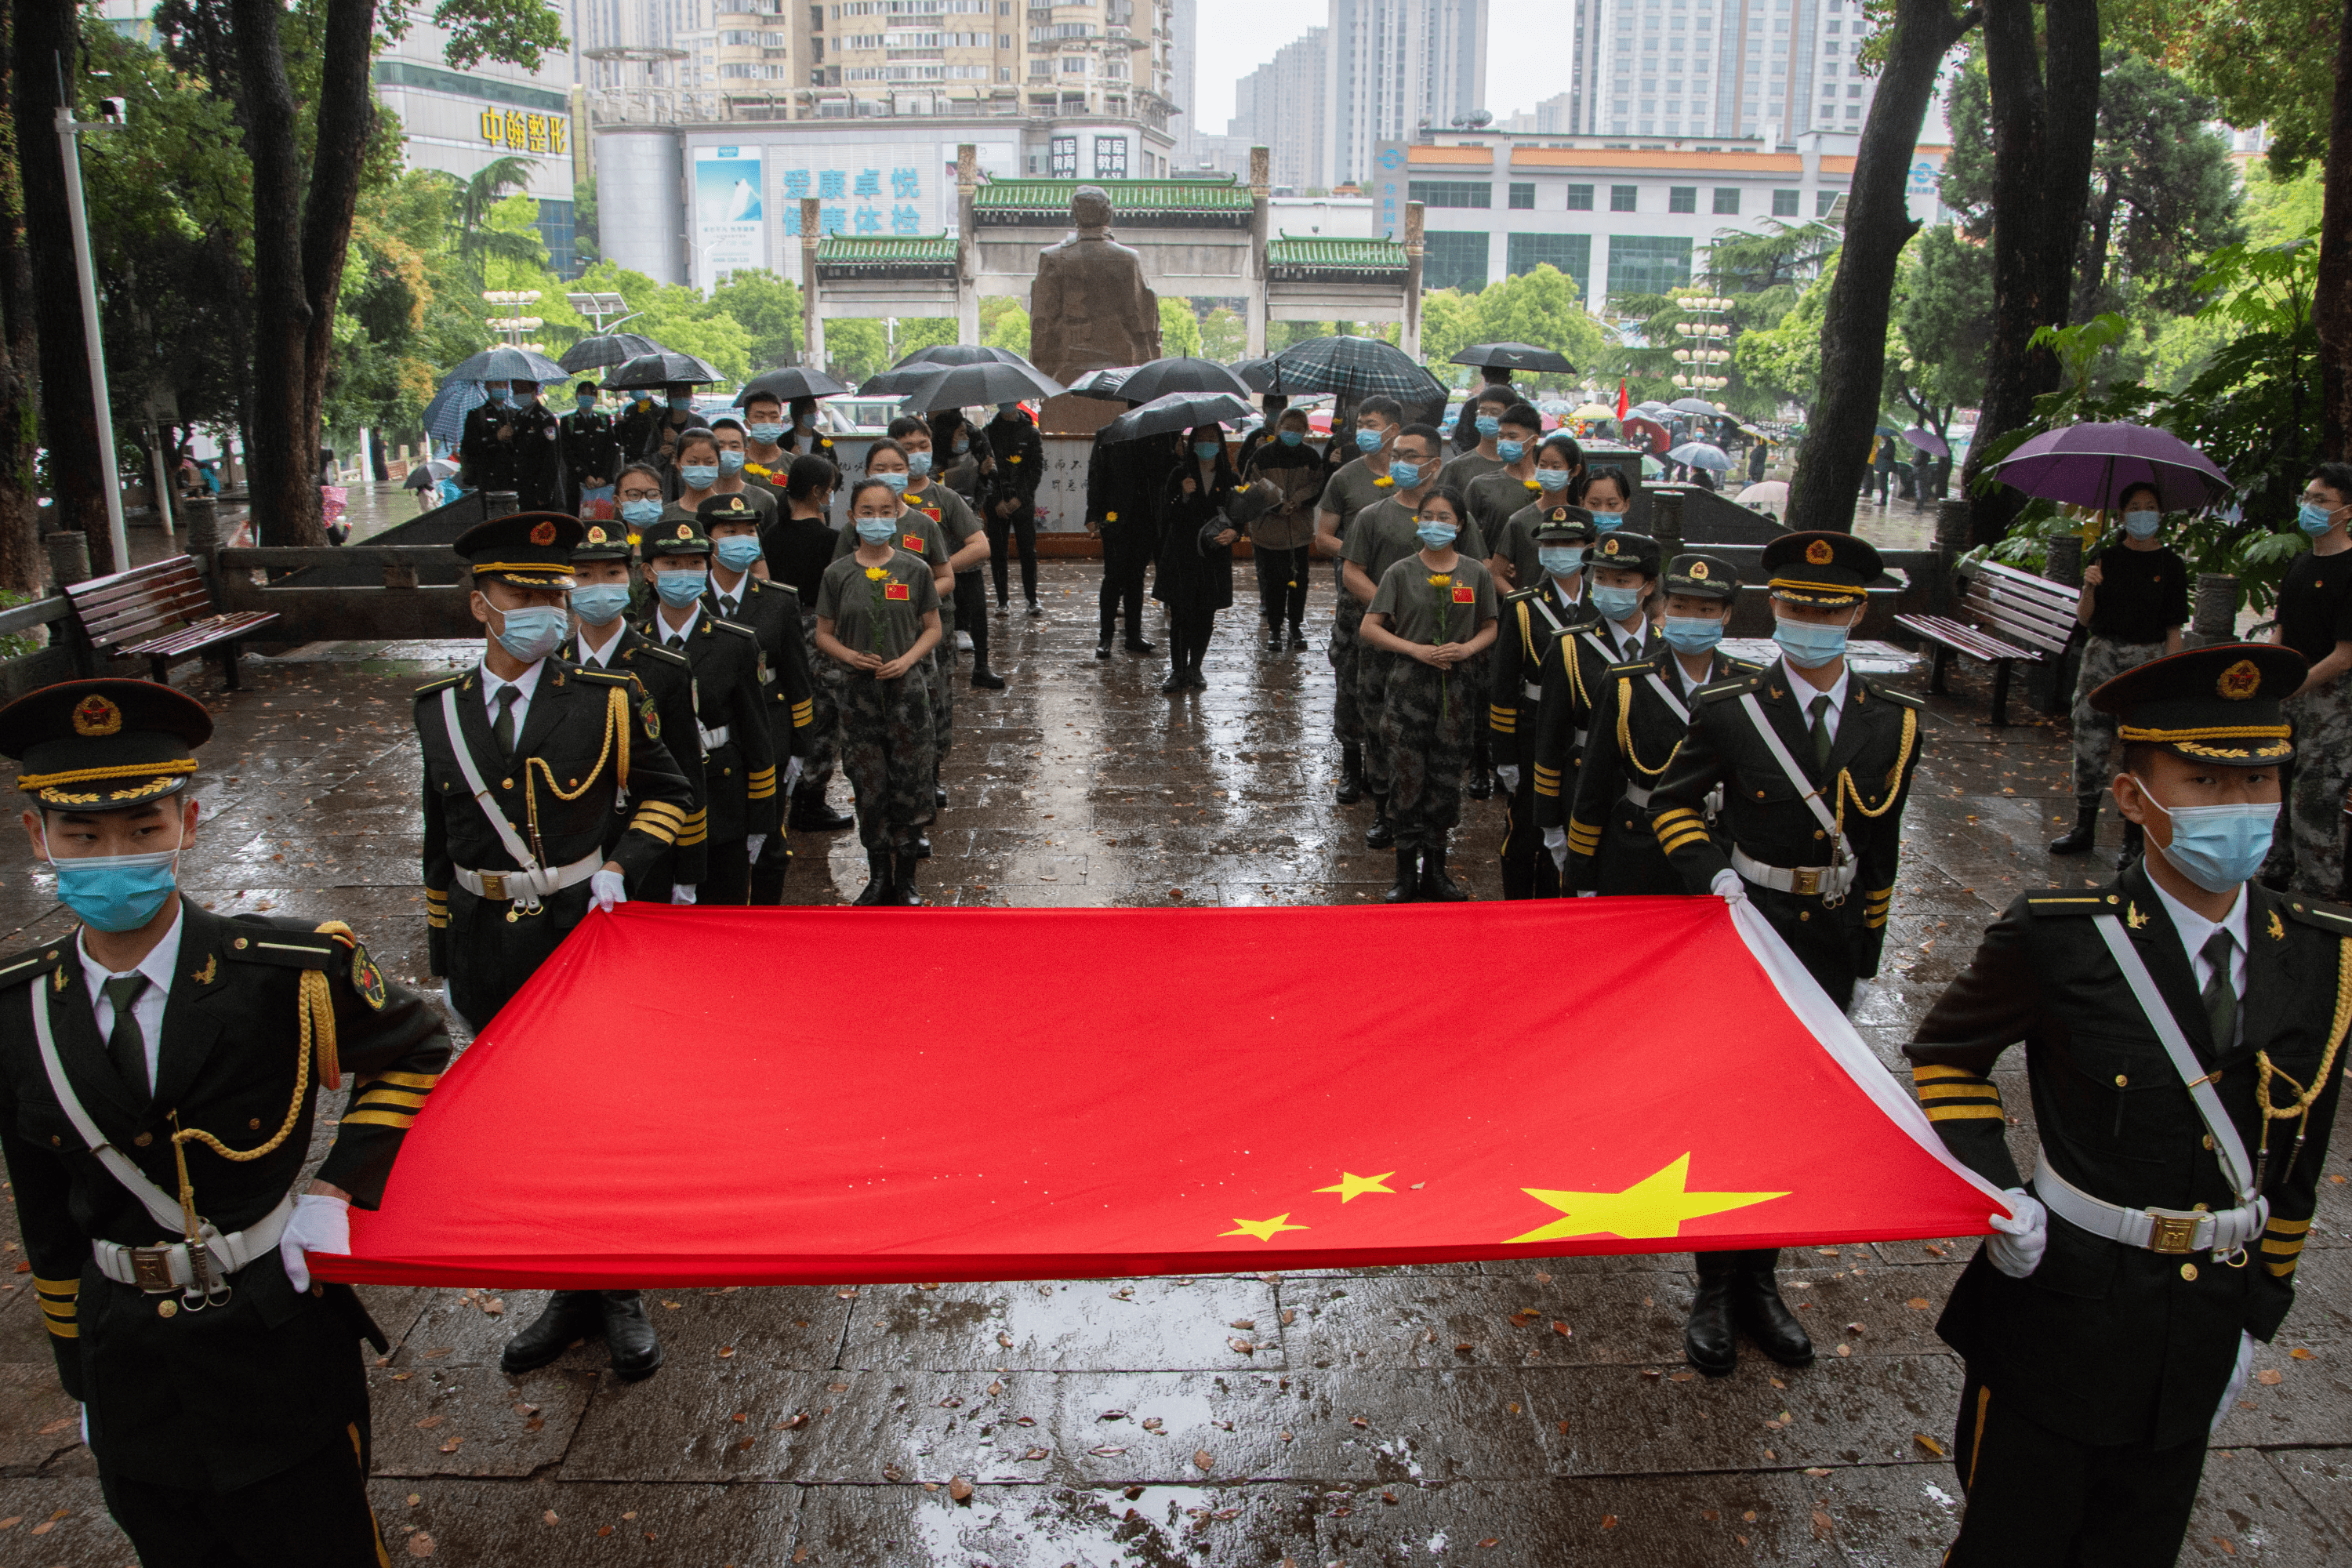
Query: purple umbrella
(2092,465)
(1926,441)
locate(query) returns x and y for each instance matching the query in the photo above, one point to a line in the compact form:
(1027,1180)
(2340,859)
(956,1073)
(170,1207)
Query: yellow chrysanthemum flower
(875,573)
(1441,580)
(1384,482)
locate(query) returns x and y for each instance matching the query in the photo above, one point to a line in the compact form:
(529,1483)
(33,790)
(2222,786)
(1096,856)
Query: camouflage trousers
(2323,771)
(888,736)
(2096,758)
(1372,667)
(943,674)
(1425,724)
(824,713)
(1347,716)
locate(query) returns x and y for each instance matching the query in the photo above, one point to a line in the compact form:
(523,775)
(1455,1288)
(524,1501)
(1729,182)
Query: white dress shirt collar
(1805,691)
(2196,930)
(524,684)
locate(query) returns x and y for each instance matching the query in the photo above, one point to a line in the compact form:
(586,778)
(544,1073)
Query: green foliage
(2265,62)
(1942,319)
(767,308)
(519,31)
(1783,360)
(1179,328)
(1004,324)
(1224,336)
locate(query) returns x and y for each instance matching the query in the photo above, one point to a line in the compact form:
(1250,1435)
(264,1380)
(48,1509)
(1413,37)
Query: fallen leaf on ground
(959,1489)
(1926,1442)
(1201,1457)
(2270,1377)
(420,1545)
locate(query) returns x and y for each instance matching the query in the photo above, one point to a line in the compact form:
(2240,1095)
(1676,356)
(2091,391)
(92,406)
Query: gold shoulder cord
(314,1009)
(1625,734)
(1527,639)
(615,723)
(1845,786)
(2300,1108)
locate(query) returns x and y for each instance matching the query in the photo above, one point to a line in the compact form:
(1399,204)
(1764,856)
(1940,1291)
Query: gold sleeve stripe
(73,1330)
(1964,1113)
(1872,920)
(437,895)
(661,809)
(73,1287)
(1675,814)
(400,1119)
(1977,1089)
(1928,1071)
(2288,1227)
(767,772)
(689,840)
(1682,840)
(2283,1248)
(59,1312)
(656,830)
(762,791)
(2278,1270)
(1550,789)
(401,1079)
(436,922)
(376,1099)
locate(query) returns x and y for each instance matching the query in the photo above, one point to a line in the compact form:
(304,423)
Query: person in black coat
(1019,460)
(512,443)
(1195,579)
(1123,481)
(592,451)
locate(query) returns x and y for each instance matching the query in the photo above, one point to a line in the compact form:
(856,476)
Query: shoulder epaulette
(263,940)
(737,627)
(610,676)
(432,686)
(18,968)
(1900,698)
(1742,666)
(2334,919)
(1731,685)
(1635,667)
(784,588)
(1521,596)
(2072,904)
(660,655)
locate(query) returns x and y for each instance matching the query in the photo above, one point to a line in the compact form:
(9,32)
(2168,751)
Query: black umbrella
(1162,377)
(1258,375)
(965,386)
(1176,412)
(607,349)
(1102,382)
(507,364)
(1514,356)
(788,381)
(660,368)
(1353,367)
(911,372)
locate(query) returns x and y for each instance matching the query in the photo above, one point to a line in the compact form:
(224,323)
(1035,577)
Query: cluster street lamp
(1706,337)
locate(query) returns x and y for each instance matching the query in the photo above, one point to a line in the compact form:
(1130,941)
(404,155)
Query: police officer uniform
(772,611)
(739,769)
(592,452)
(228,1409)
(2185,1077)
(1534,619)
(668,680)
(514,447)
(1812,821)
(1640,714)
(1571,681)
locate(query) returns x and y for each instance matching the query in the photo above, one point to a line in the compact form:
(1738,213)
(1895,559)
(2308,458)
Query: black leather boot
(812,814)
(1380,834)
(1299,637)
(1757,1305)
(1706,1337)
(2076,840)
(1273,636)
(923,846)
(1352,772)
(569,1317)
(987,680)
(902,889)
(1481,785)
(1136,641)
(1109,629)
(878,879)
(1436,887)
(1408,881)
(1176,681)
(768,880)
(629,1336)
(2135,843)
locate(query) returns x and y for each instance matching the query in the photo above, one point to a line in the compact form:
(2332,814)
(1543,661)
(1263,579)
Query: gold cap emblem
(94,715)
(686,530)
(543,534)
(595,535)
(1608,546)
(1698,570)
(2240,682)
(1819,553)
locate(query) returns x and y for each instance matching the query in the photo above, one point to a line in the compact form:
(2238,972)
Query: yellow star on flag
(1655,1206)
(1353,1186)
(1263,1229)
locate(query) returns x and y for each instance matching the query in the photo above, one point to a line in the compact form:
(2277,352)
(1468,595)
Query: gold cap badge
(595,536)
(1698,570)
(1819,553)
(2240,682)
(684,530)
(94,715)
(543,534)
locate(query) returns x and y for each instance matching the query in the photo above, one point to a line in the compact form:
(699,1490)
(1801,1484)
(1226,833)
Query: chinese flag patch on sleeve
(895,591)
(1463,594)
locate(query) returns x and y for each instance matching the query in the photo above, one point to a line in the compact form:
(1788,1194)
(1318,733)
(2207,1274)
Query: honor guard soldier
(772,612)
(1533,619)
(603,573)
(159,1073)
(1640,715)
(739,768)
(1620,570)
(2184,1030)
(1815,763)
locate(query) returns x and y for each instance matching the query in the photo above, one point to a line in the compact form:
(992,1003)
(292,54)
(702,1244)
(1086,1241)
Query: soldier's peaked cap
(1702,576)
(1820,568)
(527,549)
(1565,525)
(1625,552)
(736,507)
(674,535)
(103,745)
(2217,704)
(602,540)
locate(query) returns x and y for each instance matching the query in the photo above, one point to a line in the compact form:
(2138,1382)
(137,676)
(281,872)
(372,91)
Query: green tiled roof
(896,249)
(1224,193)
(1337,254)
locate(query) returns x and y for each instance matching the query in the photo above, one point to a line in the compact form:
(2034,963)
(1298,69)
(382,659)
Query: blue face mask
(919,464)
(680,589)
(500,395)
(681,404)
(877,530)
(598,603)
(1436,535)
(531,632)
(641,513)
(117,892)
(1616,604)
(1207,451)
(737,551)
(1291,437)
(1368,441)
(1510,451)
(961,446)
(1487,425)
(1406,474)
(1807,644)
(1607,521)
(2143,524)
(586,400)
(730,460)
(1692,633)
(766,435)
(1553,479)
(2217,846)
(1562,559)
(898,482)
(699,476)
(2313,519)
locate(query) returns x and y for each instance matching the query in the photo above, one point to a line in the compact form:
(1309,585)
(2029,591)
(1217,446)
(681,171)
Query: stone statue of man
(1089,307)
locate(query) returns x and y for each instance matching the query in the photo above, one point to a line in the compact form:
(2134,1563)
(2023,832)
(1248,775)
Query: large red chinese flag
(782,1095)
(1624,403)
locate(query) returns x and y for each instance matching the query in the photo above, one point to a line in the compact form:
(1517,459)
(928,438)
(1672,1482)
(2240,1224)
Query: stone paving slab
(1226,1323)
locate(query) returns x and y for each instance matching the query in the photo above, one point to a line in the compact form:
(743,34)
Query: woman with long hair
(1196,553)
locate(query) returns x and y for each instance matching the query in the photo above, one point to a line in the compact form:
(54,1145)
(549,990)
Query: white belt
(527,887)
(1532,691)
(2165,1231)
(1828,882)
(158,1270)
(714,739)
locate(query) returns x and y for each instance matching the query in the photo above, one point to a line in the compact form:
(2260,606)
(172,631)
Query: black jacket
(772,613)
(1194,574)
(739,773)
(528,459)
(668,680)
(1633,732)
(1575,670)
(591,450)
(1018,456)
(1531,619)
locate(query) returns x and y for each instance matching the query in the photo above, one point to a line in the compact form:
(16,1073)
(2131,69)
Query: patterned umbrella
(2092,465)
(445,416)
(607,349)
(1162,377)
(1354,367)
(507,364)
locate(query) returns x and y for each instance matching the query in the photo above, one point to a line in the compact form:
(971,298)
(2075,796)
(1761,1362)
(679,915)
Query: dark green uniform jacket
(1570,677)
(216,1399)
(739,773)
(1633,731)
(772,612)
(1531,618)
(668,680)
(2104,1343)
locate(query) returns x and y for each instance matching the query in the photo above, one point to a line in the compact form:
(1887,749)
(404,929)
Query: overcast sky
(1527,59)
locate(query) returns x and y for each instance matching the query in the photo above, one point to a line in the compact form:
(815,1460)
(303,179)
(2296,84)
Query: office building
(1683,68)
(1279,106)
(1393,69)
(1548,118)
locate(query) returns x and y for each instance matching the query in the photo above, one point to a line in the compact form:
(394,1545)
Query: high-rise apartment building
(1279,106)
(1392,68)
(1683,68)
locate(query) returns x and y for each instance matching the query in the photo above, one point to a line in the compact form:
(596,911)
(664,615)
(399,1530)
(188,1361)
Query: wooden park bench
(160,612)
(2010,617)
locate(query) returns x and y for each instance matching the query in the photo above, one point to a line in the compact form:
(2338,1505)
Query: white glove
(792,775)
(320,1224)
(1556,840)
(1509,773)
(752,844)
(681,893)
(2238,1375)
(606,889)
(1728,886)
(2016,1245)
(1590,893)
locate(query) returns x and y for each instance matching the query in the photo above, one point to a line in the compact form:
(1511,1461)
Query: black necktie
(1822,731)
(126,1048)
(503,727)
(2220,996)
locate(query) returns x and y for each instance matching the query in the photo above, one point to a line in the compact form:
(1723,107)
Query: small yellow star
(1263,1229)
(1353,1186)
(1655,1206)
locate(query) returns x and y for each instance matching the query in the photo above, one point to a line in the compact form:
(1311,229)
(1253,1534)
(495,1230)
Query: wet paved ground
(1381,1417)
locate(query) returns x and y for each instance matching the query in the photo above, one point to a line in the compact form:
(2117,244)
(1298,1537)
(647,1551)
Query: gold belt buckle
(1805,880)
(494,885)
(151,1269)
(2173,1233)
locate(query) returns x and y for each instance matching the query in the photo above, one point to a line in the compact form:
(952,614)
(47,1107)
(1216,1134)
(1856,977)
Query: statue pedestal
(1073,415)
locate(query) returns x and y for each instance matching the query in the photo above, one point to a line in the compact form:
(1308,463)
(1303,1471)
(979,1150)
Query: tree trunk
(20,553)
(284,452)
(346,118)
(2044,125)
(2092,270)
(2332,307)
(46,46)
(1831,463)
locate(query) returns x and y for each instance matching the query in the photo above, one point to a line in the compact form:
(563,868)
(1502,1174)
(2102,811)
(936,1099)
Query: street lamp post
(70,147)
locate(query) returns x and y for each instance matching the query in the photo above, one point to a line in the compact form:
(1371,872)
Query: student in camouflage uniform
(1433,615)
(878,617)
(1508,491)
(2315,618)
(930,494)
(1356,485)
